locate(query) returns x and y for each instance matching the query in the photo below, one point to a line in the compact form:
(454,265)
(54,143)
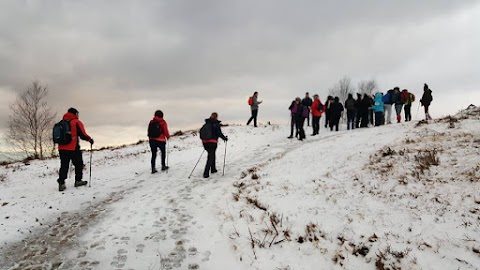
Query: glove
(91,141)
(226,138)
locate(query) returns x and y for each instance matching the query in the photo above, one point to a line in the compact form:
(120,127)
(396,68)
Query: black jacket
(426,98)
(336,110)
(307,102)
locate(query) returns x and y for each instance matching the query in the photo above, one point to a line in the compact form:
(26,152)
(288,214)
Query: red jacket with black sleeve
(315,108)
(165,135)
(78,130)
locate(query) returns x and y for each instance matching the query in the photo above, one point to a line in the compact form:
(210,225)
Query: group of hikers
(376,110)
(68,136)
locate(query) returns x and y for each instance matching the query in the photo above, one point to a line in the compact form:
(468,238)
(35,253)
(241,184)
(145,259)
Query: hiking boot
(206,175)
(214,171)
(61,187)
(80,183)
(290,137)
(164,168)
(154,171)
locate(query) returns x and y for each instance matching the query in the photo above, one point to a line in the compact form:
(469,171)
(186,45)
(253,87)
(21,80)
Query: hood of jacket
(158,119)
(212,121)
(70,116)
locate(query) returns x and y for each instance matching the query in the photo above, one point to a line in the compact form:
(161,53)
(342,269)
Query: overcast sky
(119,61)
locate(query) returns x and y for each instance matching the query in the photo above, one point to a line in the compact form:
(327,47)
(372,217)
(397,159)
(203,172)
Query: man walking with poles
(157,137)
(209,134)
(67,133)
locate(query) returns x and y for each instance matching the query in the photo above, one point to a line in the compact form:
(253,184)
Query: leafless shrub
(178,133)
(3,177)
(342,88)
(425,159)
(367,87)
(409,141)
(31,121)
(421,123)
(256,203)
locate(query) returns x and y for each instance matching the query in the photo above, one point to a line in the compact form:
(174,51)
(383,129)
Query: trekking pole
(167,157)
(196,164)
(90,178)
(416,116)
(224,158)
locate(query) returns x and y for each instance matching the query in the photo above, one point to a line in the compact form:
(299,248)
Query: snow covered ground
(403,196)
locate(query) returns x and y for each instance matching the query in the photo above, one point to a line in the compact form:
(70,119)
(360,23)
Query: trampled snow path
(131,219)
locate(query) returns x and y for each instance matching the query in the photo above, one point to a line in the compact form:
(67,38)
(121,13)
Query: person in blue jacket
(378,109)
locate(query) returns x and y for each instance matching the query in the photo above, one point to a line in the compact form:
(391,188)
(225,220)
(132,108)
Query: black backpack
(154,129)
(206,132)
(320,106)
(62,133)
(350,104)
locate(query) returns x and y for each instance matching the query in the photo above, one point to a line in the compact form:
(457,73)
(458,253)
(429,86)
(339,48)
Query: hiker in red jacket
(317,110)
(157,137)
(71,151)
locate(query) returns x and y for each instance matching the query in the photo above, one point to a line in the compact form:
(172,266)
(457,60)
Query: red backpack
(250,101)
(404,96)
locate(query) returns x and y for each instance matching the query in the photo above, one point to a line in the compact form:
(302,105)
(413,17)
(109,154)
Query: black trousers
(77,160)
(379,119)
(358,117)
(293,125)
(364,119)
(301,132)
(408,112)
(327,118)
(154,145)
(316,124)
(334,122)
(350,119)
(211,148)
(253,117)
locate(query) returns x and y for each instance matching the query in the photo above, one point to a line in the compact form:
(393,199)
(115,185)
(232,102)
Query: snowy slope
(364,199)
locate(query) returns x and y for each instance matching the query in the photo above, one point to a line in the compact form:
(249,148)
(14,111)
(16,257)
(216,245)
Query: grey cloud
(123,59)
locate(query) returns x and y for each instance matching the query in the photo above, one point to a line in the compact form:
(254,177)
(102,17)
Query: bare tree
(367,87)
(342,88)
(31,122)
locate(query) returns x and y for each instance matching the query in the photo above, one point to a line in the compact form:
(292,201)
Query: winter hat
(159,113)
(73,110)
(425,87)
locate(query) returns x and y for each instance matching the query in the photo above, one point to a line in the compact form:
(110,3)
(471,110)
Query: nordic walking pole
(416,116)
(197,163)
(224,158)
(167,156)
(90,179)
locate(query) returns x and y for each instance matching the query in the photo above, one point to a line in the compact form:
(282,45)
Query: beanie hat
(73,110)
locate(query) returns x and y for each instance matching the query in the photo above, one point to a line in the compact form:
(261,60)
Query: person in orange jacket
(157,137)
(317,110)
(71,151)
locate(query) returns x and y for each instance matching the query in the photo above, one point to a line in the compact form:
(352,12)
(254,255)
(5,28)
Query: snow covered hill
(403,196)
